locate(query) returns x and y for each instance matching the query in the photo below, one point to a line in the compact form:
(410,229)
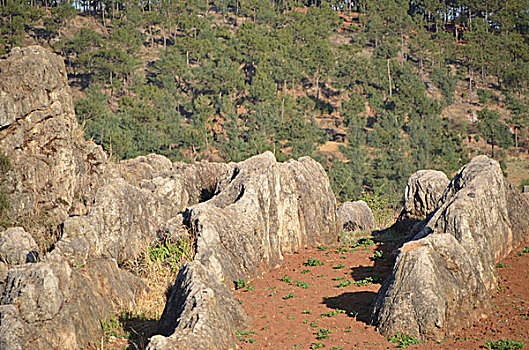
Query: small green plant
(339,266)
(378,254)
(113,328)
(338,278)
(322,333)
(250,288)
(322,248)
(333,313)
(525,250)
(241,335)
(302,284)
(288,296)
(500,265)
(343,284)
(240,284)
(171,254)
(305,271)
(313,324)
(305,312)
(316,345)
(503,344)
(403,341)
(363,243)
(313,262)
(286,279)
(366,281)
(250,340)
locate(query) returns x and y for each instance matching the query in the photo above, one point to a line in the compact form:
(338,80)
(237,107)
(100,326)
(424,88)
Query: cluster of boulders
(81,216)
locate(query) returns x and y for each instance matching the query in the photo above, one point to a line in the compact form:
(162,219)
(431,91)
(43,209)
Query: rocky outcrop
(54,171)
(53,305)
(442,278)
(17,246)
(201,313)
(356,216)
(423,191)
(262,211)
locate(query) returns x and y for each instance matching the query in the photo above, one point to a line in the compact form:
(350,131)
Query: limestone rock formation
(56,306)
(200,313)
(17,246)
(442,278)
(356,216)
(54,171)
(422,193)
(262,211)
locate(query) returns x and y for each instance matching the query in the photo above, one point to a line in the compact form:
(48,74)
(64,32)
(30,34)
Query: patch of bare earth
(301,307)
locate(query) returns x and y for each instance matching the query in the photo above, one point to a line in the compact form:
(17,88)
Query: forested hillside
(373,89)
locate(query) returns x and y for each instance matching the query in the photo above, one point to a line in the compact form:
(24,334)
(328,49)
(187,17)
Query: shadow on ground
(140,330)
(356,304)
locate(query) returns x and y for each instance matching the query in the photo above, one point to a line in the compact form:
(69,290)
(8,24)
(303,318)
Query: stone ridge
(442,278)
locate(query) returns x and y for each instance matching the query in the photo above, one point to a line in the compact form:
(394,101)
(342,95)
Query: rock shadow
(139,328)
(356,304)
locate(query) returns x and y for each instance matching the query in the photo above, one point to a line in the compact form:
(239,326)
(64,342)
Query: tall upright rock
(442,278)
(54,172)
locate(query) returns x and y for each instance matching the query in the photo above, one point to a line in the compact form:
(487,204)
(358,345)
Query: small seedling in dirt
(500,265)
(286,279)
(339,266)
(336,348)
(312,262)
(320,276)
(503,344)
(305,271)
(348,330)
(240,284)
(343,284)
(338,278)
(323,333)
(342,250)
(270,288)
(305,321)
(316,345)
(366,281)
(288,296)
(402,340)
(241,335)
(265,327)
(250,288)
(333,313)
(525,250)
(250,340)
(363,243)
(313,324)
(302,284)
(322,248)
(378,254)
(305,312)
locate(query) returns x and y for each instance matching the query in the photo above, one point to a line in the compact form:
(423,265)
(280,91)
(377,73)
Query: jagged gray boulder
(423,191)
(356,216)
(263,210)
(442,278)
(61,307)
(201,313)
(17,246)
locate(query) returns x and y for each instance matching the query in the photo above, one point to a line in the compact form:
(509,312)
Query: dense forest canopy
(224,80)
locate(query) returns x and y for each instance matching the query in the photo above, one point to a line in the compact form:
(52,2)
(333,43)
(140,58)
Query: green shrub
(503,344)
(403,340)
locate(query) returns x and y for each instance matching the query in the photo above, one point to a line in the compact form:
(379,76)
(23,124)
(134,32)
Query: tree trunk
(516,137)
(283,100)
(389,81)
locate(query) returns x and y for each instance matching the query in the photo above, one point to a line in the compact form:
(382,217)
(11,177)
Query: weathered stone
(356,216)
(64,306)
(54,171)
(442,278)
(422,193)
(262,211)
(17,246)
(200,313)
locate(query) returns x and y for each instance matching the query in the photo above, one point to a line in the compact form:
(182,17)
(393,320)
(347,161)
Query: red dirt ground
(286,316)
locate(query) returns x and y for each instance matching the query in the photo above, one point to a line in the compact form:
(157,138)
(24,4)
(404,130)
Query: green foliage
(289,296)
(378,254)
(403,341)
(302,284)
(343,284)
(504,344)
(313,262)
(286,279)
(5,207)
(322,333)
(364,282)
(171,253)
(240,283)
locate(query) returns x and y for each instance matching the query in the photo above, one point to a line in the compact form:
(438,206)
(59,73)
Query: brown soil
(286,316)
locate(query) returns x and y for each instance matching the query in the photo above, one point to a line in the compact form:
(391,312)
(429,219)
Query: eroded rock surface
(356,216)
(423,191)
(17,246)
(442,278)
(262,211)
(201,313)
